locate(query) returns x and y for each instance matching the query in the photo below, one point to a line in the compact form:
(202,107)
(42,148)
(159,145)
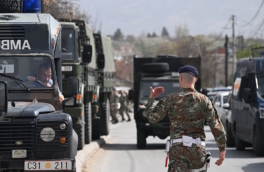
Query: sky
(202,17)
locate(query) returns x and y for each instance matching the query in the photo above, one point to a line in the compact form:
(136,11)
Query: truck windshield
(32,72)
(169,87)
(261,84)
(67,44)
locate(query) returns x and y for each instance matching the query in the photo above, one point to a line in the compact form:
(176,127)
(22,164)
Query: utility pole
(226,60)
(215,68)
(233,45)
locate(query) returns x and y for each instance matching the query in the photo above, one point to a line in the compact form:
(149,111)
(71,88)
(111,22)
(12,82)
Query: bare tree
(68,9)
(181,31)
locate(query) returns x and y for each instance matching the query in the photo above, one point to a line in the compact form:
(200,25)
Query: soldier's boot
(122,115)
(128,116)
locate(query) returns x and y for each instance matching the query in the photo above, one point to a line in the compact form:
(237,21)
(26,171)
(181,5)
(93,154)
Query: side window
(243,85)
(251,82)
(217,101)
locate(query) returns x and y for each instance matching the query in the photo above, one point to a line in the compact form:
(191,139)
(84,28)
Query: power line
(220,35)
(254,27)
(254,15)
(259,28)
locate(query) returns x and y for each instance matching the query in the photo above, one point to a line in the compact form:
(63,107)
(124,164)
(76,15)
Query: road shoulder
(88,150)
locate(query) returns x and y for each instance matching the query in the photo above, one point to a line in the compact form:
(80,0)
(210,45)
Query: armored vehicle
(35,134)
(156,71)
(91,111)
(247,104)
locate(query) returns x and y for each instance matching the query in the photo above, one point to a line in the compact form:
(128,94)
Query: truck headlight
(47,134)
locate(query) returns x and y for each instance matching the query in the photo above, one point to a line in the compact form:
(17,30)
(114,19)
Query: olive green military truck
(156,71)
(35,135)
(90,109)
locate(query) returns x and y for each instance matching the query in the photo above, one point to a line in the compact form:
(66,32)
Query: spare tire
(155,67)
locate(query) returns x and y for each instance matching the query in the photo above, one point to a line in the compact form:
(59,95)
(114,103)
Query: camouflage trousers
(113,114)
(184,159)
(122,110)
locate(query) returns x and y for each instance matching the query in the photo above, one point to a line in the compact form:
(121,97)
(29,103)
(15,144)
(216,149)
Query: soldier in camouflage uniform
(127,106)
(123,105)
(187,110)
(114,104)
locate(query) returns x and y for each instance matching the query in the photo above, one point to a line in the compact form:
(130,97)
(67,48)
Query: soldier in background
(127,106)
(187,110)
(114,105)
(122,101)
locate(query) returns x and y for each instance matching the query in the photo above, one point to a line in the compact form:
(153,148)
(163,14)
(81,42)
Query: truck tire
(155,67)
(141,139)
(230,139)
(105,118)
(96,129)
(88,122)
(79,129)
(240,144)
(257,145)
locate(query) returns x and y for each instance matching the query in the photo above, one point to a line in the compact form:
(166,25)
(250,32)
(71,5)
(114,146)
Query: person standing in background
(114,104)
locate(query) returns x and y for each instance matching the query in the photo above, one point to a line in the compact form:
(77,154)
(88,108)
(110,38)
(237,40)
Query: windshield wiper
(17,80)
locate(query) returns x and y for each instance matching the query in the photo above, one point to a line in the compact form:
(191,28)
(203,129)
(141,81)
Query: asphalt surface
(120,154)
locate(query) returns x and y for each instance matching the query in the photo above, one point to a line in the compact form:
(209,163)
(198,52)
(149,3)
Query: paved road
(122,155)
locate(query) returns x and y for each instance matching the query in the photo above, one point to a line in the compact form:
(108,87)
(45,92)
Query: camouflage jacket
(122,100)
(114,100)
(187,109)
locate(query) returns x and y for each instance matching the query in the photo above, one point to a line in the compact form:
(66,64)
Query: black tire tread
(230,139)
(105,117)
(258,148)
(155,67)
(88,137)
(96,129)
(79,130)
(141,139)
(240,144)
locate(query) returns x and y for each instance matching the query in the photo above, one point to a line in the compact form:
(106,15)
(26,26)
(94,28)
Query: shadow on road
(233,153)
(122,147)
(256,167)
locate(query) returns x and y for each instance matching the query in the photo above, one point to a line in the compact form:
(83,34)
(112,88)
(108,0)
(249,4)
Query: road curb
(88,150)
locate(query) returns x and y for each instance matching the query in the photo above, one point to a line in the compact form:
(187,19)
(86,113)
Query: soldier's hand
(155,92)
(221,158)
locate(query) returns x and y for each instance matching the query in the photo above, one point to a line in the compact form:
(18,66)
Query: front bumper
(19,164)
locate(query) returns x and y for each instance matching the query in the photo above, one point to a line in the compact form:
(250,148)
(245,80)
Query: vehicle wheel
(240,144)
(257,146)
(79,129)
(96,129)
(105,118)
(155,67)
(230,139)
(88,122)
(141,139)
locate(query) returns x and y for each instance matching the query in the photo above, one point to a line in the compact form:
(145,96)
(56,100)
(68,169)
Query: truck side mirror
(226,106)
(73,85)
(247,95)
(3,99)
(217,104)
(87,53)
(131,94)
(101,61)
